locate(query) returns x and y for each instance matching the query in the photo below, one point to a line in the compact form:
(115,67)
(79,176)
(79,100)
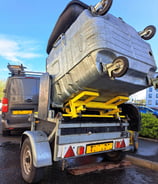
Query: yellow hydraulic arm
(83,102)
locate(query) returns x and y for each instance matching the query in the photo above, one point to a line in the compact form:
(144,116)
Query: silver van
(20,99)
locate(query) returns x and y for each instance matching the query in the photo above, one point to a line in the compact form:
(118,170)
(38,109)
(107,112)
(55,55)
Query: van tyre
(114,156)
(30,173)
(5,132)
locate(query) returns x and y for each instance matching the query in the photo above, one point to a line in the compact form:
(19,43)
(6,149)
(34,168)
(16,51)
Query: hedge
(2,86)
(149,126)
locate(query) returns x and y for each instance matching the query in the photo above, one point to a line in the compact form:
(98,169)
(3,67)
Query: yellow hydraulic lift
(83,101)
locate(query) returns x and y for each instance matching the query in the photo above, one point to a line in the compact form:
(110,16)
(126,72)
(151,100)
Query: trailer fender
(41,150)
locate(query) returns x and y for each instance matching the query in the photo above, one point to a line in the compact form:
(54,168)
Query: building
(152,96)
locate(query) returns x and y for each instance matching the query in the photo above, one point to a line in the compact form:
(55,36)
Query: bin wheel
(106,5)
(148,32)
(114,156)
(122,66)
(30,173)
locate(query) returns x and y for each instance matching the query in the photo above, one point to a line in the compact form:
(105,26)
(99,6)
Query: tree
(2,86)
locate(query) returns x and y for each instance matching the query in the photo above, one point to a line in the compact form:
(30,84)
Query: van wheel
(6,132)
(30,173)
(114,156)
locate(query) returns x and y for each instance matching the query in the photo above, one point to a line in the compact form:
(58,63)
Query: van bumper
(7,125)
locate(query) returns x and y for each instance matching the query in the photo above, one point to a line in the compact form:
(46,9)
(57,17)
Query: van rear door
(24,90)
(22,97)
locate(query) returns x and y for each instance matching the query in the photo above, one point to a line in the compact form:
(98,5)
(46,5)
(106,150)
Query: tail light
(120,144)
(5,105)
(80,150)
(29,77)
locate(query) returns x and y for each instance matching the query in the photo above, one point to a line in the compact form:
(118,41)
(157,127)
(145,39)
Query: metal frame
(74,108)
(63,141)
(84,101)
(19,70)
(44,96)
(74,140)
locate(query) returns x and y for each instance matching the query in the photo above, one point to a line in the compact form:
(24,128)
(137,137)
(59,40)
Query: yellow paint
(21,112)
(84,102)
(99,147)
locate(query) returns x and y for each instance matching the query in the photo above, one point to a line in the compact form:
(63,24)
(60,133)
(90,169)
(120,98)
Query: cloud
(17,50)
(3,69)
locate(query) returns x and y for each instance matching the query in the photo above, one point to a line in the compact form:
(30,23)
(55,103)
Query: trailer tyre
(30,173)
(114,156)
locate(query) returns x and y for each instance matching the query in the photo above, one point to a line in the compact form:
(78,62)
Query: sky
(25,27)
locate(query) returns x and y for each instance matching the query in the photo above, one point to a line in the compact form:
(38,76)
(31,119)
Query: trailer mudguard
(134,116)
(41,150)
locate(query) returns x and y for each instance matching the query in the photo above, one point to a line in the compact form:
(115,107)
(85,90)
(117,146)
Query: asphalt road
(10,170)
(147,150)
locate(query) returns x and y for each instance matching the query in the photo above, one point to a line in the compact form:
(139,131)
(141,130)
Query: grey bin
(78,57)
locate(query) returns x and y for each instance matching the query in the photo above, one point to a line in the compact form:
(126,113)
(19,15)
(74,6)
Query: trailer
(83,98)
(56,135)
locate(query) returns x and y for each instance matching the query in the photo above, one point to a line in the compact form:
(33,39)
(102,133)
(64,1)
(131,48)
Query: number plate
(93,148)
(22,112)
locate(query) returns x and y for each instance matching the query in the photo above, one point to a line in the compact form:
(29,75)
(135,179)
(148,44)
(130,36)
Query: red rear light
(80,150)
(120,144)
(4,101)
(69,153)
(30,77)
(5,105)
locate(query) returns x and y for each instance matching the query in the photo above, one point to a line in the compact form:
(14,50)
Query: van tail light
(11,128)
(29,77)
(4,104)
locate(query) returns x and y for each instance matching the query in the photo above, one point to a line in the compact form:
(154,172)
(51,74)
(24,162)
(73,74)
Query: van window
(25,86)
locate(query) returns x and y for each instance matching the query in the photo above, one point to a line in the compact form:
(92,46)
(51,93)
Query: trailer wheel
(114,156)
(122,66)
(30,173)
(148,32)
(106,5)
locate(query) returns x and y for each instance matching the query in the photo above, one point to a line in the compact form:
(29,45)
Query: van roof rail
(19,70)
(34,73)
(16,69)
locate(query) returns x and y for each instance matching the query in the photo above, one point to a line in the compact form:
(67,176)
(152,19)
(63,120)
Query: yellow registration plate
(21,112)
(93,148)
